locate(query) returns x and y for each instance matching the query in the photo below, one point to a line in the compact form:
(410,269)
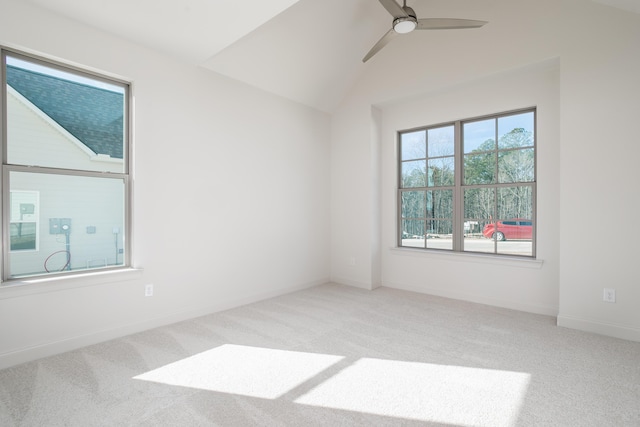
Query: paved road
(514,247)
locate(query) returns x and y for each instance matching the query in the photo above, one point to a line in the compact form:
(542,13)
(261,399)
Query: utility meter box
(59,225)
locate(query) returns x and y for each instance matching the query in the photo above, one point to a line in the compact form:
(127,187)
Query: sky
(441,139)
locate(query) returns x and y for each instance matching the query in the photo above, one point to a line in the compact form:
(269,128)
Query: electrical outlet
(148,290)
(609,295)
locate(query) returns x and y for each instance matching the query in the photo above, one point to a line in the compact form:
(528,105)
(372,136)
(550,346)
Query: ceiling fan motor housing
(406,24)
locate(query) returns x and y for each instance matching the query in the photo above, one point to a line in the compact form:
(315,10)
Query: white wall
(520,285)
(578,62)
(529,286)
(212,155)
(355,206)
(450,75)
(231,197)
(600,89)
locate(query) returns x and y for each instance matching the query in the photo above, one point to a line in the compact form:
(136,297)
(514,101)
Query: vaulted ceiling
(309,51)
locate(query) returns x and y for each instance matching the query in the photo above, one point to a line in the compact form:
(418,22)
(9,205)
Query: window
(65,169)
(24,220)
(469,185)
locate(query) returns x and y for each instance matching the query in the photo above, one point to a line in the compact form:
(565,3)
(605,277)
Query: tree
(510,162)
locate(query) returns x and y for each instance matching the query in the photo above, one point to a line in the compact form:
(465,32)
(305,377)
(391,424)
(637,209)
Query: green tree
(480,164)
(512,161)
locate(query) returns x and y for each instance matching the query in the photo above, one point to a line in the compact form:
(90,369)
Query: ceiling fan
(405,21)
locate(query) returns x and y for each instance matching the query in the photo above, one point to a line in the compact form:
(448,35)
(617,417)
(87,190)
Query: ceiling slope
(628,5)
(192,30)
(309,51)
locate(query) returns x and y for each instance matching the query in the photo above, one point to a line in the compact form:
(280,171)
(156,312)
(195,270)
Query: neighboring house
(87,116)
(54,122)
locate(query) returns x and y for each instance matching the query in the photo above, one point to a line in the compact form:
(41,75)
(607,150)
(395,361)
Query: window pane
(23,236)
(441,172)
(480,168)
(440,204)
(516,131)
(414,174)
(413,204)
(479,136)
(413,233)
(479,204)
(439,234)
(63,120)
(479,210)
(81,223)
(441,141)
(413,145)
(474,238)
(472,228)
(23,217)
(477,237)
(515,202)
(516,166)
(23,205)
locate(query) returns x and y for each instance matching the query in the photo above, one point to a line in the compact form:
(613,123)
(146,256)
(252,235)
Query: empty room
(319,212)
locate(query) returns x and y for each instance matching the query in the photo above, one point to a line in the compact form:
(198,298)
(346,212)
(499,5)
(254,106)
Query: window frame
(7,168)
(458,187)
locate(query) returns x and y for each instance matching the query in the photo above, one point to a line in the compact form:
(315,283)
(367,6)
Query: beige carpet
(337,356)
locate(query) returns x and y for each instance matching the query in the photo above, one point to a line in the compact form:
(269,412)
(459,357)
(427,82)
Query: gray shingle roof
(93,115)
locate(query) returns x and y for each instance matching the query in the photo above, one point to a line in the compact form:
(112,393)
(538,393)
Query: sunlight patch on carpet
(249,371)
(438,393)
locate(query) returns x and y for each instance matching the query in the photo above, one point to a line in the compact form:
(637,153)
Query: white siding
(98,203)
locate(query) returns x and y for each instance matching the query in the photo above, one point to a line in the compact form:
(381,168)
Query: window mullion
(458,194)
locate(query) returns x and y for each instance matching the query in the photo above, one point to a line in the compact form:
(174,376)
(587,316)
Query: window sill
(35,285)
(504,260)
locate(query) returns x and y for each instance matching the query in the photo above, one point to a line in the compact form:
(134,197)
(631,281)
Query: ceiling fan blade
(394,8)
(381,43)
(447,23)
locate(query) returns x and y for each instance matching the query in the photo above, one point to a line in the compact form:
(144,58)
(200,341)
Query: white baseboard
(28,354)
(512,305)
(354,283)
(598,327)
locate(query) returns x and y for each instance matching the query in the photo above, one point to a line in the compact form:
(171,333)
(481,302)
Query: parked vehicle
(513,229)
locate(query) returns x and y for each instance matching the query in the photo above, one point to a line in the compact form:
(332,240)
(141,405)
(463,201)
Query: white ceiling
(309,51)
(190,29)
(629,5)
